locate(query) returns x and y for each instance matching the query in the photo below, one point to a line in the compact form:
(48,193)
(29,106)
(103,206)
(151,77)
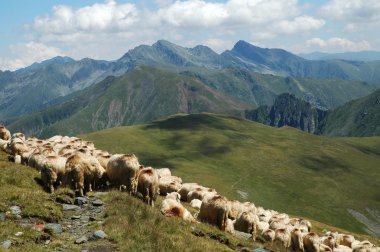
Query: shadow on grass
(366,150)
(324,164)
(190,122)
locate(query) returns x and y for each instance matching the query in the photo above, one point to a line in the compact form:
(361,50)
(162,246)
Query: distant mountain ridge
(350,56)
(236,73)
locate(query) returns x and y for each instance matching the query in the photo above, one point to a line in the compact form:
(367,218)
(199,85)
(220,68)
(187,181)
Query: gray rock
(75,217)
(81,240)
(47,242)
(2,216)
(260,250)
(67,207)
(6,244)
(97,203)
(19,234)
(80,201)
(15,210)
(56,228)
(99,234)
(242,235)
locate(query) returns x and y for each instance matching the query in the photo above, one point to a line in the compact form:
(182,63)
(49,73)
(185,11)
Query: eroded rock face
(288,110)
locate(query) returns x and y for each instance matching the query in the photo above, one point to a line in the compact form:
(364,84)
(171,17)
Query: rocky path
(80,229)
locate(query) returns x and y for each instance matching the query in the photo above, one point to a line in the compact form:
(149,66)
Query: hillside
(142,95)
(359,117)
(288,110)
(279,168)
(127,221)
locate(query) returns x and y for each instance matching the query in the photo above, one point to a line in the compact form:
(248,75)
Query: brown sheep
(19,135)
(171,208)
(122,170)
(325,248)
(311,242)
(282,238)
(200,193)
(5,134)
(345,240)
(246,222)
(53,171)
(297,240)
(81,171)
(103,159)
(329,241)
(147,184)
(215,211)
(169,184)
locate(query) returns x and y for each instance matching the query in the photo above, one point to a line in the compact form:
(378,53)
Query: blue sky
(32,31)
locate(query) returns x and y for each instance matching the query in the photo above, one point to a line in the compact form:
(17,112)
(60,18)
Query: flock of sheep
(75,163)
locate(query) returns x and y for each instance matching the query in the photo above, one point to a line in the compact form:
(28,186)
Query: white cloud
(355,13)
(299,24)
(337,44)
(26,54)
(219,45)
(108,16)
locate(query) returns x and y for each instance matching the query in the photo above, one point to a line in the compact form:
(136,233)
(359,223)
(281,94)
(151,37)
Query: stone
(99,234)
(19,234)
(97,203)
(6,244)
(92,218)
(75,217)
(67,207)
(56,228)
(260,250)
(47,242)
(80,201)
(15,210)
(242,235)
(2,216)
(81,240)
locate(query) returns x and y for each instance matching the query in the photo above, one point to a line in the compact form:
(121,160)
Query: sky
(33,31)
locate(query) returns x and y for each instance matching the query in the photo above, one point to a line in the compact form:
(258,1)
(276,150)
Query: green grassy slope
(360,117)
(278,168)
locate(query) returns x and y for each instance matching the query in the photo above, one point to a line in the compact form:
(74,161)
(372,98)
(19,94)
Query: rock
(260,250)
(67,207)
(6,244)
(47,242)
(97,203)
(80,201)
(242,235)
(2,216)
(56,228)
(92,218)
(99,234)
(19,233)
(81,240)
(15,210)
(26,223)
(75,217)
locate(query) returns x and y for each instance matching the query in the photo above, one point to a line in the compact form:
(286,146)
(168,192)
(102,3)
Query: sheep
(5,134)
(186,188)
(329,241)
(36,160)
(311,242)
(19,135)
(82,170)
(297,240)
(237,207)
(200,193)
(325,248)
(171,207)
(268,235)
(174,195)
(147,184)
(53,171)
(262,226)
(215,211)
(4,144)
(282,238)
(196,203)
(342,248)
(103,159)
(169,184)
(164,172)
(246,222)
(344,239)
(230,226)
(277,224)
(122,170)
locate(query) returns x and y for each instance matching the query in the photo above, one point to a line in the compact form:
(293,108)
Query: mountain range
(88,95)
(349,56)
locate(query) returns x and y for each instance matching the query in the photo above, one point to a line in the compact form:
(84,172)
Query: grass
(134,226)
(130,224)
(278,168)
